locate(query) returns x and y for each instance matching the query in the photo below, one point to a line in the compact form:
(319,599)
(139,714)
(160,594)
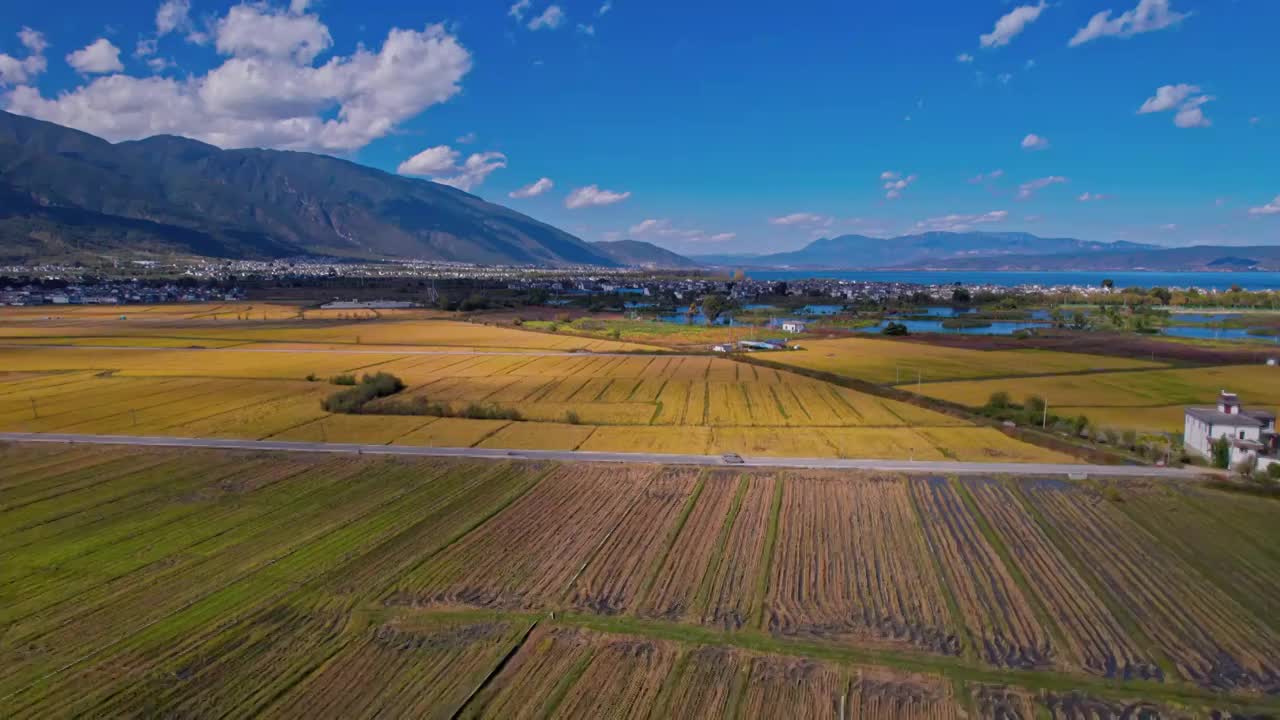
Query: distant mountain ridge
(65,193)
(1199,258)
(637,253)
(859,252)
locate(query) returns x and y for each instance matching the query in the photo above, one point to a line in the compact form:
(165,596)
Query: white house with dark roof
(1252,433)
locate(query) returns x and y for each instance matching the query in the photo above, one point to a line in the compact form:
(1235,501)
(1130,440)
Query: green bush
(370,388)
(1220,452)
(894,329)
(999,401)
(572,418)
(345,379)
(1273,471)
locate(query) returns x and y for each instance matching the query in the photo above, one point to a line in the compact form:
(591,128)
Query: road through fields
(902,466)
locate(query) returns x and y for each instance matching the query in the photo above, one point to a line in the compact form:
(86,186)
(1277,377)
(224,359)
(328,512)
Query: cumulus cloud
(1271,208)
(19,72)
(803,218)
(174,16)
(518,10)
(259,31)
(1148,16)
(593,196)
(964,58)
(1185,99)
(895,183)
(440,163)
(268,94)
(1035,142)
(604,8)
(549,19)
(534,189)
(960,223)
(662,229)
(1091,197)
(1028,189)
(97,58)
(1012,24)
(982,178)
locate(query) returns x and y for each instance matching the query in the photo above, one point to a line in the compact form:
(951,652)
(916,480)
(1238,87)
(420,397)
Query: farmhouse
(794,327)
(1252,433)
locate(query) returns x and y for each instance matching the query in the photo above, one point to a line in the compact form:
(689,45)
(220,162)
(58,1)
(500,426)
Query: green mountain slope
(64,192)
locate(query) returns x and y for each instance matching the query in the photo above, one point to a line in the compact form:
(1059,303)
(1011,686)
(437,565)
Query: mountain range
(65,193)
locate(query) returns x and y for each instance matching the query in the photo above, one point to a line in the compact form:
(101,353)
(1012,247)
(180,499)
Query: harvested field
(158,583)
(1212,640)
(851,565)
(528,557)
(1000,620)
(1097,638)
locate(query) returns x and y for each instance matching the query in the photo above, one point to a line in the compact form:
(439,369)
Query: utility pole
(134,414)
(35,414)
(919,381)
(1044,424)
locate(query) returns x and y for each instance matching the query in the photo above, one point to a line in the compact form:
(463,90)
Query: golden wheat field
(896,362)
(187,375)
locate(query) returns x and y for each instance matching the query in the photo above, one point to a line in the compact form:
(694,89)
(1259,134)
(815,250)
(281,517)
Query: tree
(1273,471)
(999,401)
(713,306)
(1161,294)
(961,296)
(894,329)
(1079,321)
(1220,451)
(1108,284)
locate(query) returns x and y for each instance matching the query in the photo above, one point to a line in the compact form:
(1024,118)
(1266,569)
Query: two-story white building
(1252,433)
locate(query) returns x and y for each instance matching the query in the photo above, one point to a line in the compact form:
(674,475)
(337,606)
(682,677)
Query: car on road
(732,459)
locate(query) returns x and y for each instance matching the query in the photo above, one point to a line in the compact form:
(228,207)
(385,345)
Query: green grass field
(198,584)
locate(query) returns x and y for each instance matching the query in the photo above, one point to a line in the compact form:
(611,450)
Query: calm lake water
(1202,280)
(935,326)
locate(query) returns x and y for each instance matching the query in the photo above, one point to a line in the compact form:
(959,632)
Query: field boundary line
(958,620)
(495,671)
(595,552)
(651,577)
(477,453)
(702,599)
(760,594)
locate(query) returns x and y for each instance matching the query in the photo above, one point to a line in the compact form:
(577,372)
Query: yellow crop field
(538,436)
(1169,419)
(1257,385)
(183,373)
(362,429)
(891,361)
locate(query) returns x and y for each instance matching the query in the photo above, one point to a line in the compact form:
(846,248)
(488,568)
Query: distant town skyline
(712,129)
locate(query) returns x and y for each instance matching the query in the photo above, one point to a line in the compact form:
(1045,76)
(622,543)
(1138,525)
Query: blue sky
(711,128)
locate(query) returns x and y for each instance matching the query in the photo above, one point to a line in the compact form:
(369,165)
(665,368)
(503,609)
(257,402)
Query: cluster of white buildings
(1250,433)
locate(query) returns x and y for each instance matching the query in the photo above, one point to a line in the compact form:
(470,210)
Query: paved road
(352,351)
(905,466)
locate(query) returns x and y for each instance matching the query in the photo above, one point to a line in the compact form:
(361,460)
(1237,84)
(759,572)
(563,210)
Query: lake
(1000,327)
(1202,280)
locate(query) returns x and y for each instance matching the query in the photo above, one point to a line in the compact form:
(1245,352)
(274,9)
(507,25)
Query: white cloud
(586,29)
(895,183)
(466,139)
(1148,16)
(1169,227)
(960,223)
(1035,142)
(1184,98)
(1027,189)
(604,8)
(259,31)
(964,58)
(532,190)
(1012,24)
(33,41)
(270,101)
(518,10)
(97,58)
(173,16)
(297,7)
(593,196)
(20,72)
(803,218)
(1271,208)
(1168,97)
(1091,197)
(550,19)
(1005,78)
(981,178)
(439,160)
(440,163)
(662,229)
